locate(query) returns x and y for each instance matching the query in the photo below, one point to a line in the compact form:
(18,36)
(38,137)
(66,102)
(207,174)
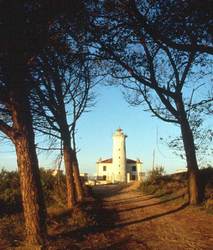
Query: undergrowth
(59,218)
(174,187)
(10,195)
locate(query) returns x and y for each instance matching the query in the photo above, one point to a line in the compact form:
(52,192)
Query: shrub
(176,185)
(148,188)
(10,195)
(54,188)
(155,173)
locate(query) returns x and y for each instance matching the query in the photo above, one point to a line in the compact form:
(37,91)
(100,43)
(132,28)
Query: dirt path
(126,219)
(132,220)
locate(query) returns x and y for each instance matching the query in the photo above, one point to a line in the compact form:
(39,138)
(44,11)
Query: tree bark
(77,178)
(189,147)
(71,199)
(31,189)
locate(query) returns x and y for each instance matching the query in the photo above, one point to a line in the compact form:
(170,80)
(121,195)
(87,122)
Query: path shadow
(141,197)
(106,220)
(118,244)
(150,205)
(105,191)
(152,217)
(123,200)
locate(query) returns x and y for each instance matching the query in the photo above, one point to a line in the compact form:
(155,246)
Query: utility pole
(153,160)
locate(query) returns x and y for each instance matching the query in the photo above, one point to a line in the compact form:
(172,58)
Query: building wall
(107,172)
(106,169)
(133,169)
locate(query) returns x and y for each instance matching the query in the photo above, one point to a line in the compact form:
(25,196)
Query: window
(104,177)
(104,168)
(133,168)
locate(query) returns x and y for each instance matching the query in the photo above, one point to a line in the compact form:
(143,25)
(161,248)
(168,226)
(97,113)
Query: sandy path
(131,220)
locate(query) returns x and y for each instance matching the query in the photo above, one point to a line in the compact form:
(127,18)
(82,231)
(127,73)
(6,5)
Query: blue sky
(111,112)
(94,135)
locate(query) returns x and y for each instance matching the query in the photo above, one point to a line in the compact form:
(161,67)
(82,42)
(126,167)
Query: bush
(148,188)
(155,173)
(10,195)
(54,188)
(176,185)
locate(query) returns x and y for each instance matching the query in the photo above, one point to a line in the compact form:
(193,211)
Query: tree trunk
(71,199)
(78,184)
(30,184)
(189,147)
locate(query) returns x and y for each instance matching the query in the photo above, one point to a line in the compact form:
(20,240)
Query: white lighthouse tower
(119,156)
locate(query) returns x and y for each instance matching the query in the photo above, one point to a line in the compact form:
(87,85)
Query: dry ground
(124,218)
(128,219)
(146,222)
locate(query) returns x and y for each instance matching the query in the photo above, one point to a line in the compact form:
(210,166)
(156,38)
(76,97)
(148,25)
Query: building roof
(105,161)
(110,161)
(130,161)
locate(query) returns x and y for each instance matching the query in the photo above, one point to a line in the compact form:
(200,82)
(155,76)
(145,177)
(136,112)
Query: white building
(119,168)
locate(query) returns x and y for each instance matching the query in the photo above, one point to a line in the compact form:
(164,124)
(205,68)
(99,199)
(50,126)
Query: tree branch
(158,36)
(6,129)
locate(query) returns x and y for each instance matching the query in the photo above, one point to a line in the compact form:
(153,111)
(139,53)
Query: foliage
(54,187)
(155,173)
(149,185)
(10,196)
(148,188)
(203,136)
(174,187)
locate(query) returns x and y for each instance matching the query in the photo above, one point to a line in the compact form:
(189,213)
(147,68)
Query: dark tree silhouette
(26,28)
(181,25)
(62,94)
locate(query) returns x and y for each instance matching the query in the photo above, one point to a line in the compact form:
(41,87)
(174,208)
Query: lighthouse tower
(119,156)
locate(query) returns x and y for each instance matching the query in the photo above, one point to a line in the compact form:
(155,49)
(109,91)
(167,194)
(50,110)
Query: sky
(112,112)
(95,130)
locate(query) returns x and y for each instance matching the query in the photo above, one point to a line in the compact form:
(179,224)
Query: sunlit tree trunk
(31,190)
(71,199)
(24,140)
(77,178)
(189,147)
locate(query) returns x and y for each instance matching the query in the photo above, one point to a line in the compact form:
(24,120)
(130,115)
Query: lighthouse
(119,168)
(119,156)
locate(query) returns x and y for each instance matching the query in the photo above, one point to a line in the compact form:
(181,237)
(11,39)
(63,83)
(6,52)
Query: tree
(26,28)
(203,135)
(14,101)
(151,72)
(182,25)
(62,94)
